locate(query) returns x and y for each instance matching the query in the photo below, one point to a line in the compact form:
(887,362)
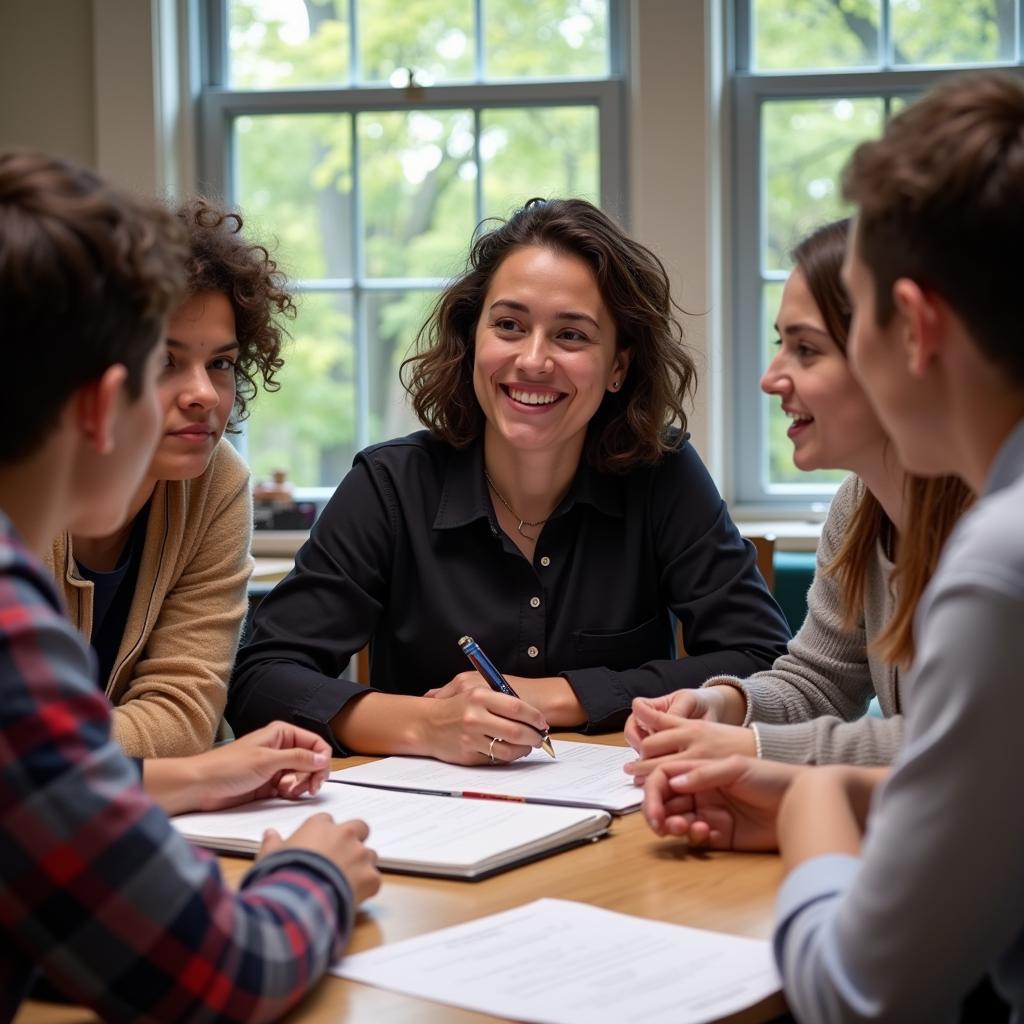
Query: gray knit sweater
(809,707)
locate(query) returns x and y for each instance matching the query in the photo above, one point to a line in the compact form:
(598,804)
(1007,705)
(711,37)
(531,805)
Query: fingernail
(320,759)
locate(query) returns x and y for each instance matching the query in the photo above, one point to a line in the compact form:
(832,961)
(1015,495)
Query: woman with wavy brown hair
(162,597)
(553,510)
(879,548)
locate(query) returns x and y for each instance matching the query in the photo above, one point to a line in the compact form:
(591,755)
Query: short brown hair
(221,259)
(87,278)
(630,427)
(941,201)
(932,505)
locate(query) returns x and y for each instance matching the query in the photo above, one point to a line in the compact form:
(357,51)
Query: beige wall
(84,79)
(673,181)
(46,77)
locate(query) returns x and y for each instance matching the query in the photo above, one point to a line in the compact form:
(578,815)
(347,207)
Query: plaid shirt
(97,890)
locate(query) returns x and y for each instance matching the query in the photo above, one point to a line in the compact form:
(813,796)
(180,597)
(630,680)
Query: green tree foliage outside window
(370,210)
(806,142)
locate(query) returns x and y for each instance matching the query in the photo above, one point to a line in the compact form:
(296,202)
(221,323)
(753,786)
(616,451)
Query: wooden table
(631,871)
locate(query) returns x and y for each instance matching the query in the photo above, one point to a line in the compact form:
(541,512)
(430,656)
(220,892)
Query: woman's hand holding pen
(552,696)
(464,716)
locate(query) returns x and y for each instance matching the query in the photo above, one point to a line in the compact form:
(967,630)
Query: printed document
(561,962)
(583,775)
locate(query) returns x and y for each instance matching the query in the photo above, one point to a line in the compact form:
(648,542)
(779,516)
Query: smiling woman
(162,597)
(553,509)
(879,547)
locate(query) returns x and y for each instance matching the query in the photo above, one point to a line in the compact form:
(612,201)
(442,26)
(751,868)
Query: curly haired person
(162,597)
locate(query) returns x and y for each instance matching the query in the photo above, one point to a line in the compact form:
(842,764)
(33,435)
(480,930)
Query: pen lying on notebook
(495,680)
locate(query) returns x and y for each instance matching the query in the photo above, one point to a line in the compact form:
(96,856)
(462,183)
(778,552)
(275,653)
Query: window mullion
(478,191)
(479,13)
(359,296)
(886,51)
(743,35)
(354,62)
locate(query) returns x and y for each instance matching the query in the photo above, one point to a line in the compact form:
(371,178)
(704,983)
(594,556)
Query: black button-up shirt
(408,555)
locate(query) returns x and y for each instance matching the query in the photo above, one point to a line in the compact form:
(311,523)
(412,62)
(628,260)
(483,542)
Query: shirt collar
(1008,466)
(465,499)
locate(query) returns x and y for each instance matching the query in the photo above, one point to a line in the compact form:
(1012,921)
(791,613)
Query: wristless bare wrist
(733,703)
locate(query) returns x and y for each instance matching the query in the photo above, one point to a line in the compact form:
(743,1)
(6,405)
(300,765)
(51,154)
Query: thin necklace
(515,515)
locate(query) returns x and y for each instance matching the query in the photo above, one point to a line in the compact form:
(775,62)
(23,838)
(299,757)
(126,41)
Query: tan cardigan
(169,681)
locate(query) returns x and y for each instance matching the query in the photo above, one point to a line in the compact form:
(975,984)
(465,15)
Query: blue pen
(495,680)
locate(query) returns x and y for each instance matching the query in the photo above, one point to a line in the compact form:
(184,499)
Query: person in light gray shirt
(809,707)
(905,888)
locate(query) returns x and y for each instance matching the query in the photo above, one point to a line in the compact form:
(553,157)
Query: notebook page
(407,830)
(583,775)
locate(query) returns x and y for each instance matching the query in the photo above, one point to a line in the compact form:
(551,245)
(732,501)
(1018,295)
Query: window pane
(433,38)
(539,151)
(814,34)
(933,32)
(417,178)
(309,426)
(546,38)
(805,144)
(392,318)
(780,449)
(277,43)
(294,181)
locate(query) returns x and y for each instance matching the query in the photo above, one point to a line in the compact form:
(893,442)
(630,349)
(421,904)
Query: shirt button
(532,651)
(534,602)
(545,560)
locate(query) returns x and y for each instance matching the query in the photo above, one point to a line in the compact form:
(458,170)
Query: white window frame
(219,105)
(750,90)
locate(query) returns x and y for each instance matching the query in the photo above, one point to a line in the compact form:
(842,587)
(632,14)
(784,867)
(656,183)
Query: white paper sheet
(560,962)
(583,775)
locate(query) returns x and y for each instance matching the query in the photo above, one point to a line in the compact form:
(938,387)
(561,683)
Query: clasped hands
(696,783)
(697,788)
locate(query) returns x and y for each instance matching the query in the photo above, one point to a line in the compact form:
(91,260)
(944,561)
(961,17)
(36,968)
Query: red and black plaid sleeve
(97,890)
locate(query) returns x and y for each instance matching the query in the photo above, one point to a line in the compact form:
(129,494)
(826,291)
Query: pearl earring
(615,385)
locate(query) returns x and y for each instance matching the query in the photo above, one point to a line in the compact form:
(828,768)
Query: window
(366,139)
(812,79)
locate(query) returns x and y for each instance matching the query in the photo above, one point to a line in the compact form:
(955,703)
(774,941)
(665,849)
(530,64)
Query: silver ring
(490,749)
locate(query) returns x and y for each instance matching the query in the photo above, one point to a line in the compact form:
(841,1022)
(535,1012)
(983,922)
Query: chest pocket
(624,649)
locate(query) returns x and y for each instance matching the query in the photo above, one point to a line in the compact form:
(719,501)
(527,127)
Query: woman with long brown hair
(878,549)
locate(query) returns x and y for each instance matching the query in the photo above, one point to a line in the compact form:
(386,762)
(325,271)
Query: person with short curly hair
(162,597)
(553,510)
